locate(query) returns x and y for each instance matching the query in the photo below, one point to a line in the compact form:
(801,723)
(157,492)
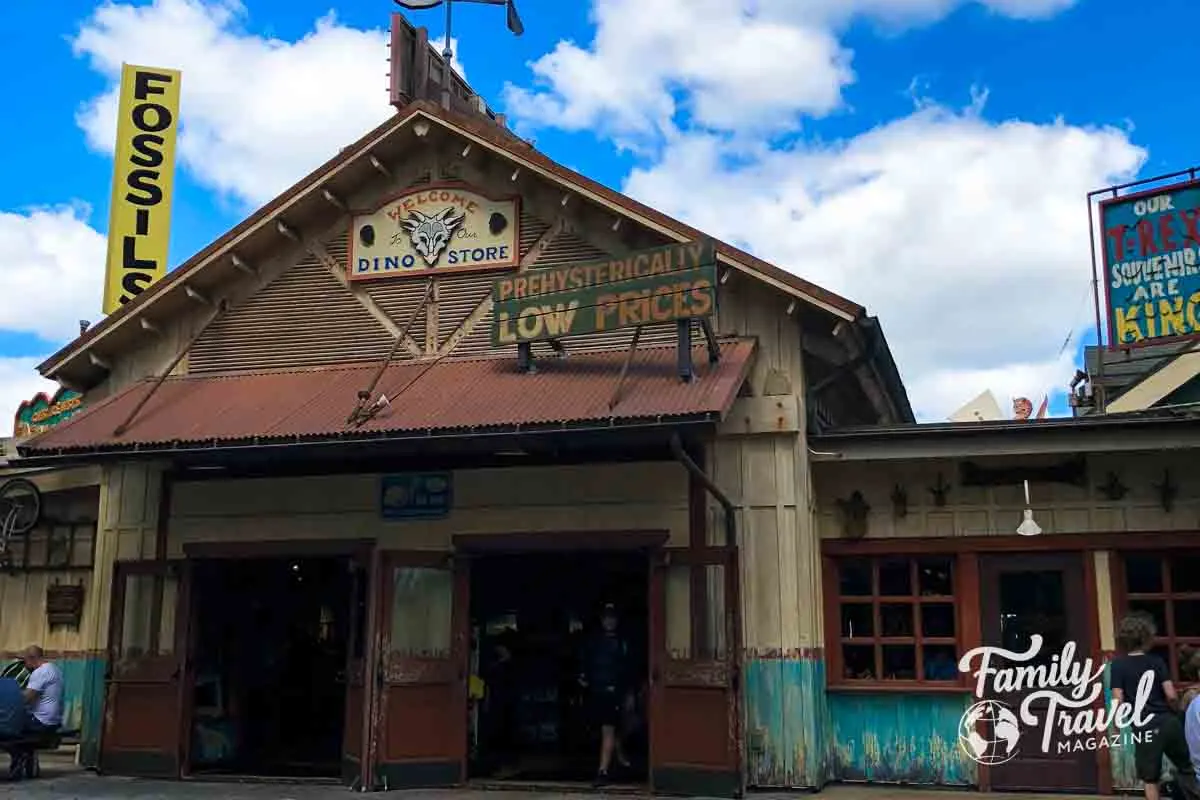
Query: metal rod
(681,455)
(616,396)
(222,306)
(364,396)
(1099,393)
(1191,171)
(448,56)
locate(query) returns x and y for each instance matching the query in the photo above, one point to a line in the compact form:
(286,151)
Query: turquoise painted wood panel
(787,722)
(898,738)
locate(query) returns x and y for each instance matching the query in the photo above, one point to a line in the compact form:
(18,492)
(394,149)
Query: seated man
(43,692)
(43,707)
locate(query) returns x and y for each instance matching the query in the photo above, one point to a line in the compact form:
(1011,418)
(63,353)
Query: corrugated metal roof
(459,394)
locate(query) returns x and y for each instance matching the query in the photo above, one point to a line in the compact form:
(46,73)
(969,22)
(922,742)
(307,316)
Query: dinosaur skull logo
(430,234)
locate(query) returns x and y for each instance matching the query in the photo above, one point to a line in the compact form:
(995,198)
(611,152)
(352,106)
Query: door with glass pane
(422,735)
(144,708)
(695,723)
(1023,596)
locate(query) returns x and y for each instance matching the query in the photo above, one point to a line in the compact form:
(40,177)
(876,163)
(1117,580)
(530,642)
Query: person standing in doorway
(1162,733)
(607,680)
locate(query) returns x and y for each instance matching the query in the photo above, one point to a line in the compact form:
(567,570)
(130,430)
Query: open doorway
(269,659)
(535,617)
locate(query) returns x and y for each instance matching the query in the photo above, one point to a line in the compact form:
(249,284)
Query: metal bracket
(683,354)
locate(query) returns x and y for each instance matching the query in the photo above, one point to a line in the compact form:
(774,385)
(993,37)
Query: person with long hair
(1161,730)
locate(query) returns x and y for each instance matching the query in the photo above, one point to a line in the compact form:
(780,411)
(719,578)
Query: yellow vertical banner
(139,222)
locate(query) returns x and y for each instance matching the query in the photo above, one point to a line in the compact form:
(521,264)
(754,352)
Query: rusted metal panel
(452,394)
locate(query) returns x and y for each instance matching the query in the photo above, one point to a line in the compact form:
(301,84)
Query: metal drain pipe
(699,474)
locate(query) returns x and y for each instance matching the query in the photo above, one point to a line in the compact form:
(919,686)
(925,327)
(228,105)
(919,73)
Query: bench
(29,745)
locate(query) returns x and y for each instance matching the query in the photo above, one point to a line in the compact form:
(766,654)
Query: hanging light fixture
(1028,527)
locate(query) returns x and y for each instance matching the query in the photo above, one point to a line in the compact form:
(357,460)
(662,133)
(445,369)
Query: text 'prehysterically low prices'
(645,288)
(434,229)
(1152,265)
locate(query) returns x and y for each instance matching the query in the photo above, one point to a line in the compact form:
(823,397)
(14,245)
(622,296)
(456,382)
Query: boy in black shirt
(1162,733)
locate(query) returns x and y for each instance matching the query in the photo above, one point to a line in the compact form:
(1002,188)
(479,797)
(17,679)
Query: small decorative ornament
(899,502)
(1113,489)
(939,491)
(1028,527)
(854,515)
(1167,492)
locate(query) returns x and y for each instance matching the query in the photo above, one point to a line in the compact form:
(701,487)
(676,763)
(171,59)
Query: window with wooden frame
(1167,587)
(897,620)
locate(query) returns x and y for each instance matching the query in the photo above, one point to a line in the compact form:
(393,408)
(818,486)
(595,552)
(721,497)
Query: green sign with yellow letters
(644,288)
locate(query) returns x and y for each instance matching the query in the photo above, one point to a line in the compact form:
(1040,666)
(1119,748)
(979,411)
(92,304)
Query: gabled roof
(310,203)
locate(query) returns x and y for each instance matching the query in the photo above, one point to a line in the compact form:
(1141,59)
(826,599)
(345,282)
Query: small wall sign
(416,495)
(435,229)
(42,413)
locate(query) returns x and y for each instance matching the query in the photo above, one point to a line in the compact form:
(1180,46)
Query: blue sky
(927,158)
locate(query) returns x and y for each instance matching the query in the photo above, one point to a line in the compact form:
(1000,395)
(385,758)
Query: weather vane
(514,24)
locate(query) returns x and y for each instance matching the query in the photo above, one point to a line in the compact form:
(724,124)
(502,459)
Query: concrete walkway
(62,780)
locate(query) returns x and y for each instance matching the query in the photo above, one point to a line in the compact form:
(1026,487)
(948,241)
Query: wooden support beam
(334,200)
(338,271)
(287,230)
(380,167)
(242,266)
(196,295)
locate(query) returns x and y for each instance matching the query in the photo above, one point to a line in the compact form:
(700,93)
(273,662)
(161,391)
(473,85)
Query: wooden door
(422,676)
(144,708)
(354,676)
(695,725)
(1022,596)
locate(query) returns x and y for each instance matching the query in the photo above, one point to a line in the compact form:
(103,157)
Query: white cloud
(53,273)
(725,64)
(257,113)
(967,238)
(19,381)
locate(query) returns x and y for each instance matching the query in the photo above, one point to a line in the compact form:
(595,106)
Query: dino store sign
(434,229)
(645,288)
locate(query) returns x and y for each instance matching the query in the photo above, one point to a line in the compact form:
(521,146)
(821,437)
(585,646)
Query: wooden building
(289,410)
(269,410)
(1117,505)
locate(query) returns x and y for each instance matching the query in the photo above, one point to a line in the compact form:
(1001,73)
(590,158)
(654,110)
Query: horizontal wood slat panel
(567,248)
(305,318)
(302,318)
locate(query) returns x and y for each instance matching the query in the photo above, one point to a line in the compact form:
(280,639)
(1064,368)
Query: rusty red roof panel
(454,394)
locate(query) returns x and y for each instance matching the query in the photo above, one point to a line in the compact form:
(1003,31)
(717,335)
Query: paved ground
(62,780)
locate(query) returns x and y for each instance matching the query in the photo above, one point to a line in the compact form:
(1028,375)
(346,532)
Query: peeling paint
(899,738)
(787,721)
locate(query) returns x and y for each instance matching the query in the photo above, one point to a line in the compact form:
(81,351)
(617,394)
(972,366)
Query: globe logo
(997,742)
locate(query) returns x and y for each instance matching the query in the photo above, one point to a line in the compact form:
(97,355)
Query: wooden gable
(305,316)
